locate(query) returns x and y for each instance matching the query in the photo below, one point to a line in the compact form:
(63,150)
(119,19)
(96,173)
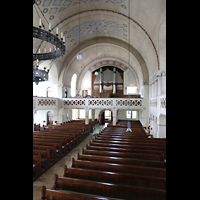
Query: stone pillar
(86,116)
(163,84)
(145,110)
(155,128)
(101,80)
(156,87)
(93,114)
(114,80)
(114,117)
(159,86)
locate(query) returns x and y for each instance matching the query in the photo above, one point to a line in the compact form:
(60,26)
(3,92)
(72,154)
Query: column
(114,80)
(114,117)
(101,80)
(86,116)
(93,114)
(163,84)
(145,110)
(151,125)
(156,87)
(159,86)
(155,127)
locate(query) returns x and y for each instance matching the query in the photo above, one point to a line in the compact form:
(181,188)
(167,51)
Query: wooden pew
(66,140)
(128,142)
(50,143)
(132,146)
(52,150)
(90,147)
(108,189)
(68,137)
(37,164)
(45,154)
(63,142)
(123,154)
(113,177)
(150,140)
(120,168)
(49,194)
(126,161)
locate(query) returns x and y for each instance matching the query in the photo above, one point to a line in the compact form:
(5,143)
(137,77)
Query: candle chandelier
(57,50)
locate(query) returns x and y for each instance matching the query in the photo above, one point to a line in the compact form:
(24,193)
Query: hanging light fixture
(79,56)
(129,123)
(40,75)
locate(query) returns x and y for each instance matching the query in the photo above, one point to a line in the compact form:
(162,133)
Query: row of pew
(54,142)
(115,165)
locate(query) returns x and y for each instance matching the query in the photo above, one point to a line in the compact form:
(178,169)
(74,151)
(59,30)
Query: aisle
(99,128)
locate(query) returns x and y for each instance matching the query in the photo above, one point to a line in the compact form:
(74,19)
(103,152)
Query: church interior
(99,99)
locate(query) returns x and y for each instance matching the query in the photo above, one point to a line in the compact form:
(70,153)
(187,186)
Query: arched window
(73,85)
(49,92)
(131,88)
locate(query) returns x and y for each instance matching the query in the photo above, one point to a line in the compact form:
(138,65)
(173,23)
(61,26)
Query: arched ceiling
(106,23)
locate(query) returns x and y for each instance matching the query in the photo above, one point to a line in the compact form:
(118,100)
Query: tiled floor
(47,179)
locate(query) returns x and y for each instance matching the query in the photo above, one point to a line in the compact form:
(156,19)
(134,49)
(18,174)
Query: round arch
(137,60)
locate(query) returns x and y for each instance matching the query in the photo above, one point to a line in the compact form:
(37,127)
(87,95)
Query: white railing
(99,103)
(46,103)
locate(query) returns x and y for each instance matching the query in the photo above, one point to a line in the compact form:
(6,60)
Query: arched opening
(105,117)
(49,118)
(73,85)
(49,92)
(132,88)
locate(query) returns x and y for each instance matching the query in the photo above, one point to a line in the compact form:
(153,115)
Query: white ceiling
(106,22)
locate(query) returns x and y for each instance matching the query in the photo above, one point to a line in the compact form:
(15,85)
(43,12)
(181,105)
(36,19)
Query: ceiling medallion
(123,6)
(51,17)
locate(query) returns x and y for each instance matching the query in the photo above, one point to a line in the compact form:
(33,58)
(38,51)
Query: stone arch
(100,115)
(103,40)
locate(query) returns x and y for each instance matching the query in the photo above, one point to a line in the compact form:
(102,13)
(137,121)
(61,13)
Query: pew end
(43,190)
(65,171)
(73,161)
(55,182)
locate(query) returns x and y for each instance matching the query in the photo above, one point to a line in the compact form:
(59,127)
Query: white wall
(121,114)
(86,83)
(128,77)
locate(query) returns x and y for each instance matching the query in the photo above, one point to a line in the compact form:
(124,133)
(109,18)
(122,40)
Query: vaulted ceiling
(107,27)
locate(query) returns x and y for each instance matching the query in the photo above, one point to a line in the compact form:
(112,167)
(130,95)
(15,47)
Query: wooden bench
(123,154)
(155,152)
(118,160)
(128,142)
(37,164)
(65,139)
(113,177)
(49,194)
(153,140)
(50,143)
(108,189)
(62,141)
(52,150)
(45,154)
(132,146)
(120,168)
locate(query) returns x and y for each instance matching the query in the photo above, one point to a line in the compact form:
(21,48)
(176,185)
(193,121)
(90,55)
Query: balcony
(47,103)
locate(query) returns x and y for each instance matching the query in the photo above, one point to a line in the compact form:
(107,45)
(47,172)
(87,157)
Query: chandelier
(58,50)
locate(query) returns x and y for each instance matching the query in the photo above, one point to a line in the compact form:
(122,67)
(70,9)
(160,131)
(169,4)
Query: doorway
(105,117)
